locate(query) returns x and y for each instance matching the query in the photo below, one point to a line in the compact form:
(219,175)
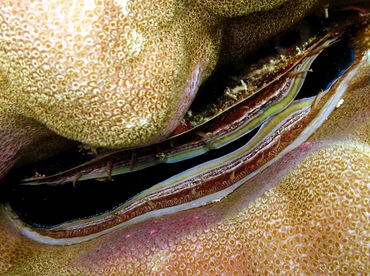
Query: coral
(120,75)
(104,74)
(92,73)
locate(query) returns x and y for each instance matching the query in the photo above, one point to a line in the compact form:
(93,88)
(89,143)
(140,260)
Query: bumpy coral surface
(120,74)
(306,215)
(104,73)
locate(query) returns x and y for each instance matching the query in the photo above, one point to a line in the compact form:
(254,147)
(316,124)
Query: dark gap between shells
(47,206)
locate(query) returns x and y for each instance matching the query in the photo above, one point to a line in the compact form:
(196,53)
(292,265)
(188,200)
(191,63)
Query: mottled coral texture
(114,75)
(121,75)
(104,74)
(307,214)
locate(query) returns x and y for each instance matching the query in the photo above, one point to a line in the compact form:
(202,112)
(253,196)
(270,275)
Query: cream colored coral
(116,73)
(314,221)
(309,214)
(104,73)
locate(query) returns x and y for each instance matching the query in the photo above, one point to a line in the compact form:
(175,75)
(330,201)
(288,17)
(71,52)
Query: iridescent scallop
(283,125)
(221,123)
(309,218)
